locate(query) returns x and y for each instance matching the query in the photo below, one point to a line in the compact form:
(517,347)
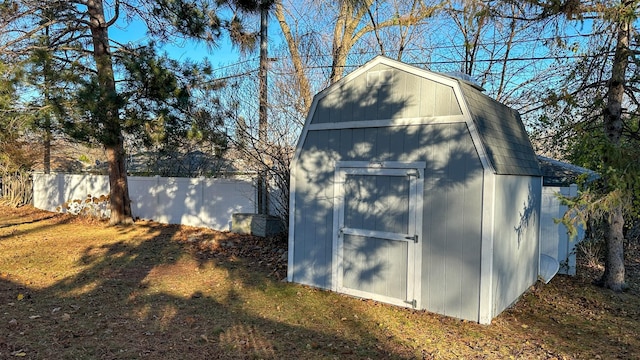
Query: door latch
(414,238)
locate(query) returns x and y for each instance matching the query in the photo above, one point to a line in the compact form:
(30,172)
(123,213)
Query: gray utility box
(256,224)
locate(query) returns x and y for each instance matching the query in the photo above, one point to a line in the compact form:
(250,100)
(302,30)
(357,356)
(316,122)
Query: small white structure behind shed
(559,178)
(414,188)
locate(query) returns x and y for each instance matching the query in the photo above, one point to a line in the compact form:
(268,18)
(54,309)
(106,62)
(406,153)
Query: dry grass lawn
(73,288)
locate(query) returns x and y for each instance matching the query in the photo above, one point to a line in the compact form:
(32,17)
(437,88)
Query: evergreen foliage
(99,90)
(598,123)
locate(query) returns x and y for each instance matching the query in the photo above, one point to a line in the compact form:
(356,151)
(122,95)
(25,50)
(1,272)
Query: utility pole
(263,205)
(46,70)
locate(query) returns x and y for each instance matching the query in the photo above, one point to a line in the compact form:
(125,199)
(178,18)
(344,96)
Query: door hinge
(413,303)
(414,238)
(414,172)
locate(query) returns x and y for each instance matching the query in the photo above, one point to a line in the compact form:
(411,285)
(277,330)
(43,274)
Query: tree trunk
(338,45)
(296,59)
(119,201)
(613,277)
(120,204)
(348,29)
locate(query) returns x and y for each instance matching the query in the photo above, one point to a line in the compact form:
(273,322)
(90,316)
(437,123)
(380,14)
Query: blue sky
(223,54)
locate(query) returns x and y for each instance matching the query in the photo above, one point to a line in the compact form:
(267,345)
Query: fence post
(60,185)
(202,199)
(156,212)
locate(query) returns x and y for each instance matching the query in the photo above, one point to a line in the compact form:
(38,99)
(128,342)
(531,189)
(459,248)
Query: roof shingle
(503,134)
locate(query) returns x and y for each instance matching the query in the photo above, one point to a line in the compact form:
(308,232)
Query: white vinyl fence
(554,240)
(198,202)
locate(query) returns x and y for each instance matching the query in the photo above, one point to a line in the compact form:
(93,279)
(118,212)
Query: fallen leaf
(20,297)
(19,353)
(34,317)
(65,317)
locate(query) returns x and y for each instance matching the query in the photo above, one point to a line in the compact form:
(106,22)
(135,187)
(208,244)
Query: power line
(235,64)
(424,63)
(233,76)
(452,62)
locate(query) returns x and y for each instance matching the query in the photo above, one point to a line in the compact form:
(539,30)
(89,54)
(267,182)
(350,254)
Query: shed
(414,188)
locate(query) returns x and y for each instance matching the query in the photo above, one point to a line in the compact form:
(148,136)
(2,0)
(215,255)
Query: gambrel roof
(503,134)
(363,97)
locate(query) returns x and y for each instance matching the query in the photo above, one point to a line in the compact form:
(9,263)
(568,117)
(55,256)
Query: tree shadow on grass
(129,300)
(13,224)
(27,221)
(168,292)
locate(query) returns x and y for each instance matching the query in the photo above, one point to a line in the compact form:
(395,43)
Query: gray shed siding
(451,220)
(515,247)
(396,97)
(452,227)
(314,208)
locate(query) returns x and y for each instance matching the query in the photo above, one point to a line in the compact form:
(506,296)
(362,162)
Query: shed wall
(515,247)
(452,231)
(451,218)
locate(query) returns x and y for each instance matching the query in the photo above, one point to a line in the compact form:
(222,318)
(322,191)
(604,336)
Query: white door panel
(377,232)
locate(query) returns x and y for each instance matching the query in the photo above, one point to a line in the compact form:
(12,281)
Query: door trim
(389,168)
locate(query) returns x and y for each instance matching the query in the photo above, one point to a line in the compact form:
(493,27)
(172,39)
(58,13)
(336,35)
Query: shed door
(377,234)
